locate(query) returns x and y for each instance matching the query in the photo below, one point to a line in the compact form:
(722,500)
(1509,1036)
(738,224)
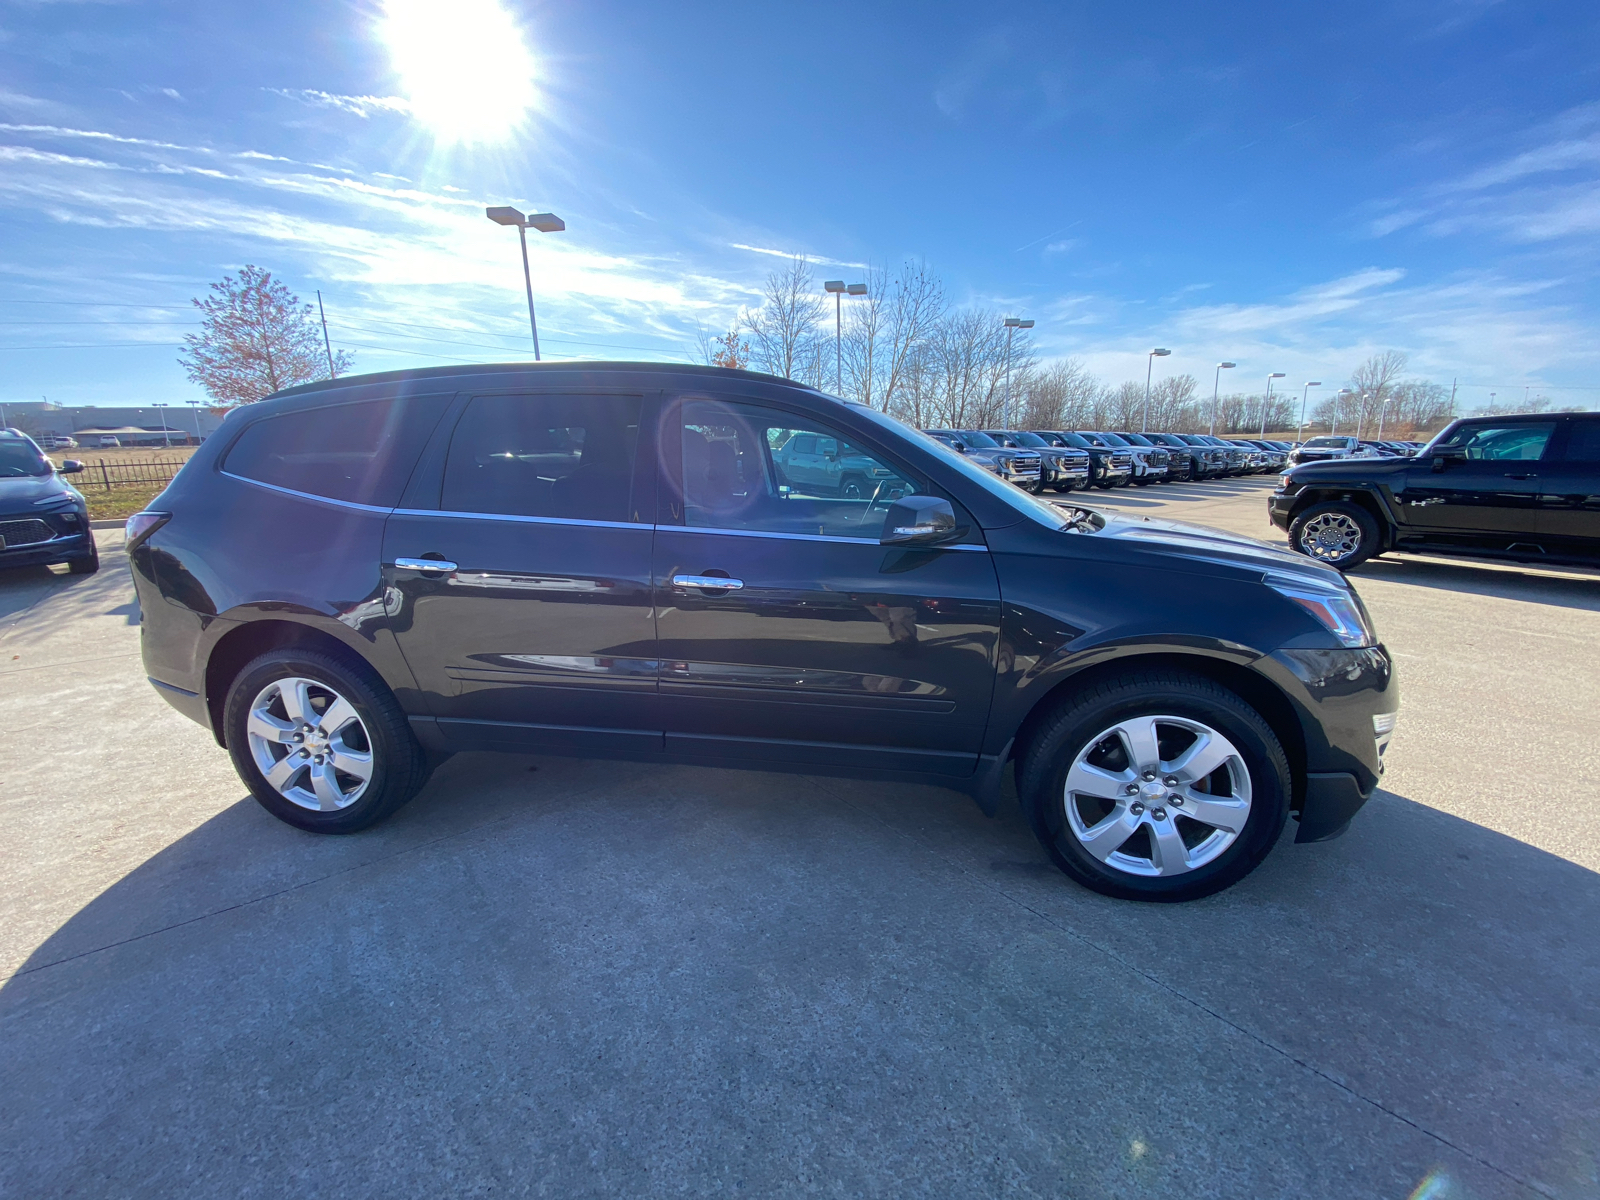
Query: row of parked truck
(1041,459)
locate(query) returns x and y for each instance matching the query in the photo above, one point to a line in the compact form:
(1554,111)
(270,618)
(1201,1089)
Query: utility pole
(326,345)
(1453,383)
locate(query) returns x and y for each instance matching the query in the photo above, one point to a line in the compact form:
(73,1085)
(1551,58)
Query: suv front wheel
(1338,533)
(1155,785)
(321,742)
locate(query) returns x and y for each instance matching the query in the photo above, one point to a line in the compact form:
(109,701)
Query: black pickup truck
(1525,488)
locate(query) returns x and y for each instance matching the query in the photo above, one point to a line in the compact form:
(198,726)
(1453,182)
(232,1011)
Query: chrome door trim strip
(477,516)
(273,487)
(803,537)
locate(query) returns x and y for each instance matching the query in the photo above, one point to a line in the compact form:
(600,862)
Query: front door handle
(424,564)
(707,581)
(1511,476)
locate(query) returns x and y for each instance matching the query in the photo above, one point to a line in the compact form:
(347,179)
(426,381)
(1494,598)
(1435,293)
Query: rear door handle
(1511,476)
(424,564)
(707,581)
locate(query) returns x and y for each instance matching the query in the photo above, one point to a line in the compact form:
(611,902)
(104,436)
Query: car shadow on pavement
(1485,580)
(537,955)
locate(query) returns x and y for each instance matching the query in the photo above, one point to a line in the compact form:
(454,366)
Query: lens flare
(463,65)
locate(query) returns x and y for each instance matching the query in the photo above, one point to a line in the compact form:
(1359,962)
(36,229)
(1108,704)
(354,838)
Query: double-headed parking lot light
(1267,401)
(1012,324)
(1149,365)
(504,214)
(839,289)
(1304,392)
(1216,384)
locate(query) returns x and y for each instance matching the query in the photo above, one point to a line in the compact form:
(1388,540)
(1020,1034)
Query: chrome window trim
(527,520)
(804,537)
(336,503)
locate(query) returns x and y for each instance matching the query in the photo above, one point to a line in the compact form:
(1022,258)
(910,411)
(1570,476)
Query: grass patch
(120,502)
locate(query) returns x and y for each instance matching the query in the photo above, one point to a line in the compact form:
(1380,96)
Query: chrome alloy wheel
(309,743)
(1331,537)
(1158,796)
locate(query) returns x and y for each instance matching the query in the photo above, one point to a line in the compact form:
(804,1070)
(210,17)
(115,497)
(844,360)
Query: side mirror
(921,521)
(69,466)
(1443,458)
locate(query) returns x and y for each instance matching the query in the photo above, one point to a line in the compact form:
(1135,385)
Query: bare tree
(1372,382)
(256,337)
(1174,404)
(894,325)
(1061,395)
(785,332)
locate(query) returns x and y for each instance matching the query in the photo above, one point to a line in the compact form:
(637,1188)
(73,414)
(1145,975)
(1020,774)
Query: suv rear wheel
(1156,786)
(1338,533)
(321,742)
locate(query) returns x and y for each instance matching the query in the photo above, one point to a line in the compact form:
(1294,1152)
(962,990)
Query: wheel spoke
(1167,851)
(351,762)
(1088,780)
(340,713)
(1209,752)
(1106,838)
(268,728)
(1225,814)
(296,696)
(284,770)
(322,783)
(1139,739)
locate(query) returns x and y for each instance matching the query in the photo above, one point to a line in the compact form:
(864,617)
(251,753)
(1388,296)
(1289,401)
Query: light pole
(1216,384)
(544,223)
(1149,365)
(1304,392)
(1361,414)
(166,437)
(1267,402)
(195,404)
(1334,428)
(1012,325)
(1383,411)
(840,290)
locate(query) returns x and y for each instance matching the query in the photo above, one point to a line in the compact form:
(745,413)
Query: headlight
(63,500)
(1283,483)
(1338,609)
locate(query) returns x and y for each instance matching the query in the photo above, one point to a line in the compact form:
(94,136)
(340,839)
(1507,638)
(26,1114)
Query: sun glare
(463,66)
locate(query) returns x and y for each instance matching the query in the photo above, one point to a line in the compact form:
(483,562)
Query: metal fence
(119,475)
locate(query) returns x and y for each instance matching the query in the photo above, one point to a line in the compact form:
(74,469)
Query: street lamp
(1149,365)
(166,438)
(1267,403)
(1216,383)
(1303,393)
(195,404)
(1383,411)
(544,223)
(1334,427)
(1012,325)
(840,290)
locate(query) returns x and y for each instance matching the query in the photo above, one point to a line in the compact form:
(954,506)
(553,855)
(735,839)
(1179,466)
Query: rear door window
(565,457)
(1521,442)
(1583,441)
(361,452)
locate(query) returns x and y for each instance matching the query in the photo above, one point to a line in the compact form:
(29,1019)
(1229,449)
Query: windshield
(1190,439)
(1093,439)
(1112,439)
(19,458)
(1072,439)
(1023,438)
(1041,511)
(978,438)
(1135,439)
(1337,442)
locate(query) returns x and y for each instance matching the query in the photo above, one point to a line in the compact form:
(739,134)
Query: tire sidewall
(1044,790)
(388,756)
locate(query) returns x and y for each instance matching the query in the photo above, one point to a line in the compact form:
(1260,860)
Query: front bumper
(57,549)
(1067,473)
(1280,509)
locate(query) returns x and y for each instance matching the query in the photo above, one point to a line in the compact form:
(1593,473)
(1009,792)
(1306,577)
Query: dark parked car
(1062,467)
(1022,467)
(1525,488)
(1108,468)
(43,518)
(353,578)
(1323,449)
(1151,463)
(1188,461)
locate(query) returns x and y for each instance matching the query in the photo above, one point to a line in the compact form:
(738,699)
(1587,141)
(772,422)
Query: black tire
(89,563)
(1337,533)
(1035,488)
(852,487)
(398,764)
(1070,731)
(1063,488)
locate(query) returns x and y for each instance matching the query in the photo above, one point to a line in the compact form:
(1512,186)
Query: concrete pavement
(548,977)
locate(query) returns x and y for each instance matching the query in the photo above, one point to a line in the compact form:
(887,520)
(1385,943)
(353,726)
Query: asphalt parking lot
(558,978)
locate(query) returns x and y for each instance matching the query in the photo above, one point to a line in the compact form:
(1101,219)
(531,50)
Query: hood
(17,493)
(1203,544)
(1340,468)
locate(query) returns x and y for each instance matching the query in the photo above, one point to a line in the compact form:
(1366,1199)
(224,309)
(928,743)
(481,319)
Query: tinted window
(976,437)
(1031,440)
(1072,439)
(1337,443)
(20,457)
(358,452)
(1583,442)
(1520,441)
(1112,439)
(743,469)
(1136,439)
(544,456)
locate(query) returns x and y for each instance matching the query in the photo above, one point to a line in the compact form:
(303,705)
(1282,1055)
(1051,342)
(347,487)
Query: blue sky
(1291,186)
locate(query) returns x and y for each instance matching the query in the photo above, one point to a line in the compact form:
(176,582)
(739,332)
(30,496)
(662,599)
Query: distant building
(130,426)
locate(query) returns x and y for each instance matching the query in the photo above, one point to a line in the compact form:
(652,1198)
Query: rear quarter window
(361,452)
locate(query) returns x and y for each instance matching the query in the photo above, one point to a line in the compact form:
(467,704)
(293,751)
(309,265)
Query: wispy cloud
(361,106)
(816,258)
